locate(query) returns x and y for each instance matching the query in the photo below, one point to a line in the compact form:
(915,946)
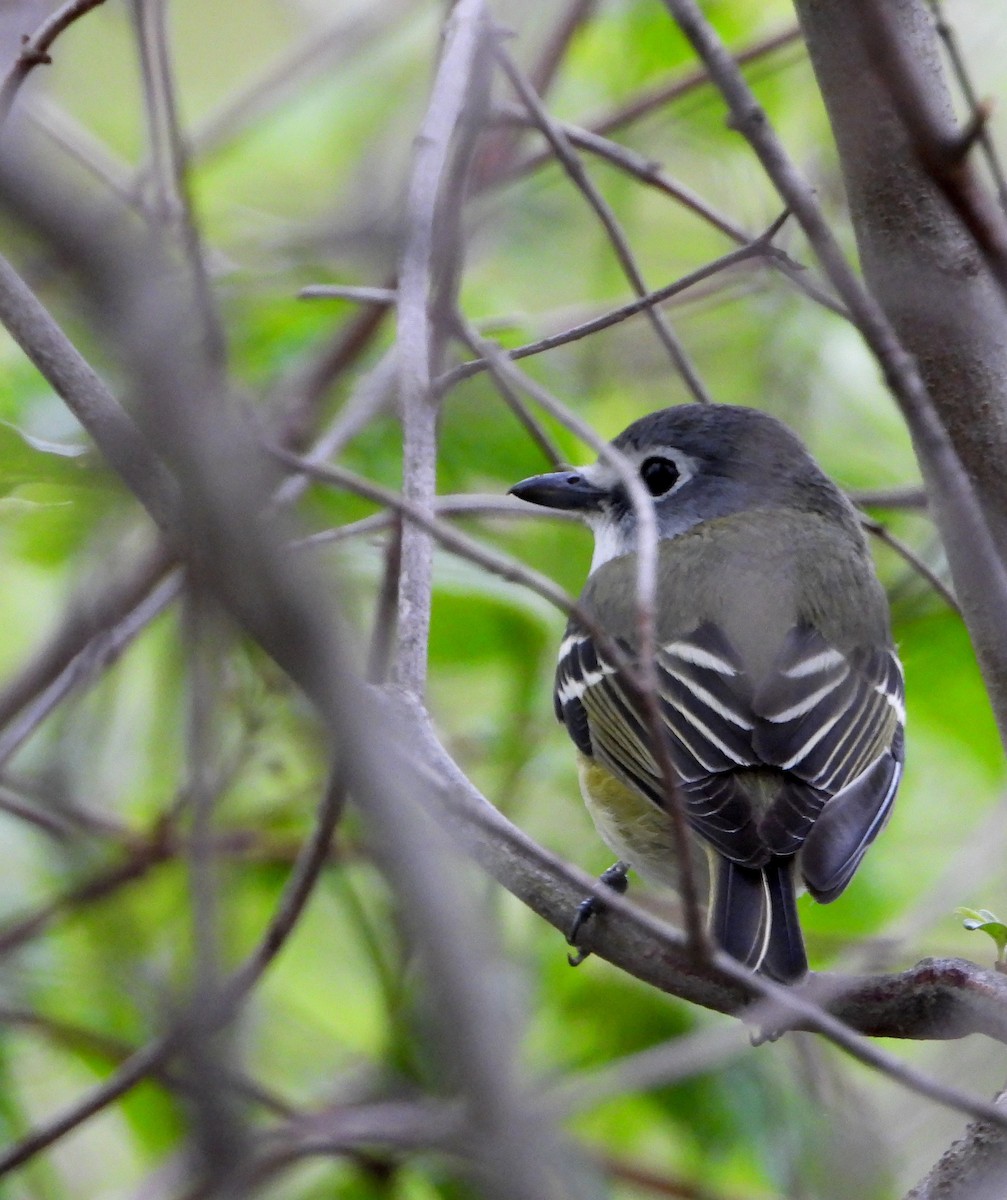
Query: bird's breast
(634,828)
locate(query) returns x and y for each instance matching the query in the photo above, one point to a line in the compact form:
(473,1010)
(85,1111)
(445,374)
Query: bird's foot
(614,878)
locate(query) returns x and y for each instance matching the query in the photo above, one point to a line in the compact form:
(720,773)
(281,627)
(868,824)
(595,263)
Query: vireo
(779,689)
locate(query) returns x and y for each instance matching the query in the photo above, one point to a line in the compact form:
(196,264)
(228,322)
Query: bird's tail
(754,918)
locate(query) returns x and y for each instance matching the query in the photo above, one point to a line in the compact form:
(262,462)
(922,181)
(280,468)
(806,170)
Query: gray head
(698,462)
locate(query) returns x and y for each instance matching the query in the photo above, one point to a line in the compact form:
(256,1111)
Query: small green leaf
(982,918)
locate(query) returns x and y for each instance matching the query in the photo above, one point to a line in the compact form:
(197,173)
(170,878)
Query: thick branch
(928,275)
(937,999)
(973,1168)
(241,556)
(968,507)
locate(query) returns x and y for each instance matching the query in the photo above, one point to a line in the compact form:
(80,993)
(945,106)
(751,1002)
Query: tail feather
(786,960)
(739,914)
(753,918)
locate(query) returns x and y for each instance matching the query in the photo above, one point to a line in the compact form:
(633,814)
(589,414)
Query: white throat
(609,542)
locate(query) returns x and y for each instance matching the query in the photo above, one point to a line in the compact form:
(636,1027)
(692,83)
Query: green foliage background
(307,188)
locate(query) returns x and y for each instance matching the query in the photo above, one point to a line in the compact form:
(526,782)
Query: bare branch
(958,65)
(88,617)
(360,295)
(973,1168)
(111,171)
(426,284)
(676,89)
(653,175)
(276,598)
(102,648)
(144,856)
(469,504)
(35,49)
(979,572)
(943,149)
(906,552)
(571,164)
(87,397)
(532,426)
(909,497)
(446,535)
(86,1041)
(136,1068)
(172,198)
(760,247)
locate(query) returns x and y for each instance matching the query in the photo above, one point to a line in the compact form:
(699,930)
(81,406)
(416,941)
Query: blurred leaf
(25,458)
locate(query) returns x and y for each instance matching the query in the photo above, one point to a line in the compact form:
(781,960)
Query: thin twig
(299,393)
(653,175)
(657,1183)
(173,198)
(982,575)
(426,273)
(137,1067)
(87,617)
(233,991)
(643,680)
(684,85)
(947,35)
(101,650)
(61,819)
(909,555)
(219,1137)
(451,539)
(35,49)
(557,45)
(761,247)
(942,148)
(532,426)
(87,1042)
(383,629)
(494,157)
(359,295)
(467,504)
(911,496)
(82,390)
(658,1066)
(647,170)
(144,856)
(581,180)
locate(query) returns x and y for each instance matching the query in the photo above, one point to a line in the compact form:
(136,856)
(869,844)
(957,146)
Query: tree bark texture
(918,258)
(973,1168)
(934,282)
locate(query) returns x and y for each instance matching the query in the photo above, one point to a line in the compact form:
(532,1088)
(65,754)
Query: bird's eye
(659,474)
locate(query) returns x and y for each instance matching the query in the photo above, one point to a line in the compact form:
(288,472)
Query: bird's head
(698,462)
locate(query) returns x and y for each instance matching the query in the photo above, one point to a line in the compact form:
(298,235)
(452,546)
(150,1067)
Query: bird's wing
(822,718)
(705,709)
(833,722)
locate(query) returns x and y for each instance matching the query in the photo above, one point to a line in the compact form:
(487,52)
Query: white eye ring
(605,476)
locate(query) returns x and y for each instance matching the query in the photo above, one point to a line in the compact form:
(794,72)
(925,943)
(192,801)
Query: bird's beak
(561,489)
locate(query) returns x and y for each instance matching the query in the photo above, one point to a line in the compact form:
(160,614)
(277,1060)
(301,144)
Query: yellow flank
(633,827)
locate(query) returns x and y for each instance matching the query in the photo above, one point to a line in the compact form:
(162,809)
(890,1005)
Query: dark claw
(614,878)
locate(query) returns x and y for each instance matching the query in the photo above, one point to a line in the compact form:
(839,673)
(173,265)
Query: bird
(779,690)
